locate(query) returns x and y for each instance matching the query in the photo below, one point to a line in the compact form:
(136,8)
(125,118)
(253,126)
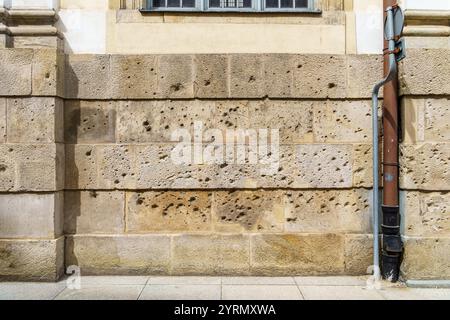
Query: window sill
(243,11)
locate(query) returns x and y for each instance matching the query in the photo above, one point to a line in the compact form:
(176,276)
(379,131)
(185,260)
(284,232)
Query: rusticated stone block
(247,76)
(116,167)
(279,75)
(211,76)
(169,211)
(328,211)
(35,120)
(323,166)
(175,76)
(426,258)
(31,260)
(425,166)
(413,118)
(2,120)
(358,254)
(81,166)
(15,72)
(87,77)
(415,79)
(26,167)
(210,255)
(89,121)
(119,254)
(248,211)
(342,121)
(297,254)
(319,76)
(133,76)
(363,72)
(156,121)
(362,166)
(96,212)
(48,79)
(31,215)
(427,214)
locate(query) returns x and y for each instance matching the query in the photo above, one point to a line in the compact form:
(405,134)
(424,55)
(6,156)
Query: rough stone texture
(319,76)
(116,255)
(35,120)
(358,254)
(342,121)
(133,76)
(416,79)
(279,75)
(328,211)
(116,167)
(2,120)
(31,215)
(210,255)
(31,260)
(48,73)
(81,166)
(211,76)
(15,72)
(362,166)
(425,166)
(31,167)
(247,76)
(426,258)
(87,76)
(426,214)
(175,76)
(248,211)
(168,211)
(363,72)
(294,254)
(89,121)
(94,212)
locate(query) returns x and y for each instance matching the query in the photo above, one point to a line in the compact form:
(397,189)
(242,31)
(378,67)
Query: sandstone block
(247,76)
(27,167)
(319,76)
(81,166)
(416,80)
(35,120)
(119,255)
(87,77)
(133,76)
(89,121)
(363,72)
(342,121)
(211,76)
(323,166)
(214,255)
(437,113)
(426,214)
(175,76)
(15,72)
(31,260)
(2,120)
(425,166)
(31,215)
(413,115)
(297,254)
(325,211)
(358,254)
(47,78)
(169,211)
(362,166)
(426,258)
(279,75)
(116,166)
(94,212)
(248,211)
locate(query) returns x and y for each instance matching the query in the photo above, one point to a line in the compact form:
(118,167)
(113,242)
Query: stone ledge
(31,260)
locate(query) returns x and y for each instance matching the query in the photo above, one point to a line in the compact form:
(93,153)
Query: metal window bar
(226,5)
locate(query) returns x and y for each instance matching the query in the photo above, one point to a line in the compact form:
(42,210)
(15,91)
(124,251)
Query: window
(230,5)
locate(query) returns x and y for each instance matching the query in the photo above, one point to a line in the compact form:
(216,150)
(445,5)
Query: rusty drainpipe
(392,247)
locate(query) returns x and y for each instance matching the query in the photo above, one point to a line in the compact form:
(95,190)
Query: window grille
(230,5)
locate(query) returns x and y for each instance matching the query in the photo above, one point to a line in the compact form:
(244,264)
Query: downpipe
(392,74)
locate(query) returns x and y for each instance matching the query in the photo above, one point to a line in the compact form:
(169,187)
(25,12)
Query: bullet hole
(252,79)
(93,194)
(2,168)
(47,75)
(89,153)
(154,206)
(207,83)
(331,85)
(176,87)
(139,201)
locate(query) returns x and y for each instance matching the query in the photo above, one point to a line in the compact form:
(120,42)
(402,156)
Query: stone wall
(87,178)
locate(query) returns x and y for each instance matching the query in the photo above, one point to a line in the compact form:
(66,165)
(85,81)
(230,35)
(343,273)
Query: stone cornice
(28,22)
(427,23)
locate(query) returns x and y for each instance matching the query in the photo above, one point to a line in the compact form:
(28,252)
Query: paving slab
(102,292)
(29,291)
(113,280)
(331,281)
(261,292)
(339,293)
(258,280)
(185,280)
(181,292)
(415,294)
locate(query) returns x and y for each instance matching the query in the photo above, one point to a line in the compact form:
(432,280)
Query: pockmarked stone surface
(15,72)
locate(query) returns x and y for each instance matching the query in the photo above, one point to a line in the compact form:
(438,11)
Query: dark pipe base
(390,267)
(392,249)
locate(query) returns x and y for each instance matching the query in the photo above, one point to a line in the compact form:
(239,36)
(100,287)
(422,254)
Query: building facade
(273,100)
